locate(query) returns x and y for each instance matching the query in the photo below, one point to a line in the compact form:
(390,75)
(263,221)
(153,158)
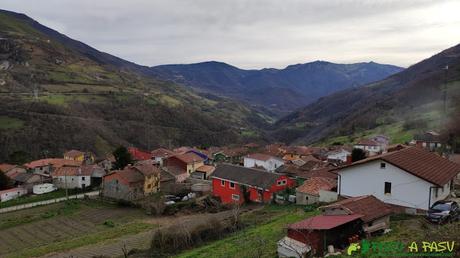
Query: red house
(232,183)
(138,154)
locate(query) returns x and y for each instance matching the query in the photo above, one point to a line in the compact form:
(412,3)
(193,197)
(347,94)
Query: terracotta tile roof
(146,169)
(322,222)
(261,156)
(175,171)
(56,163)
(73,153)
(369,206)
(313,185)
(206,169)
(130,175)
(69,171)
(182,150)
(234,152)
(298,150)
(189,158)
(6,167)
(162,153)
(368,142)
(245,176)
(418,162)
(12,190)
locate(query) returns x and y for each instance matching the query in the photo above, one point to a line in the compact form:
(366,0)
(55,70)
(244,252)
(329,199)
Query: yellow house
(78,156)
(151,177)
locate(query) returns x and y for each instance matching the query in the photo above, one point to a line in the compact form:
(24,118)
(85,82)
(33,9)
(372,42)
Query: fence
(56,200)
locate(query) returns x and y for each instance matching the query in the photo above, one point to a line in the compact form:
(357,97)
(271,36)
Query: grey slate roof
(245,176)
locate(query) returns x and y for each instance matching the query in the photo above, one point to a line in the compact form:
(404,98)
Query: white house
(268,162)
(71,177)
(338,155)
(12,193)
(411,177)
(370,146)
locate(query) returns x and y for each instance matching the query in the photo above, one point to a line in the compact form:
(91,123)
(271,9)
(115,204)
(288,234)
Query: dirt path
(113,248)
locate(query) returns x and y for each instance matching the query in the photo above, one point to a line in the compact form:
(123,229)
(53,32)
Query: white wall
(13,194)
(369,179)
(327,196)
(269,165)
(72,181)
(339,156)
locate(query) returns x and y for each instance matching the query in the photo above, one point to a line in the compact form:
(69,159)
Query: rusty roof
(313,185)
(418,162)
(162,153)
(368,205)
(324,222)
(53,162)
(261,156)
(189,158)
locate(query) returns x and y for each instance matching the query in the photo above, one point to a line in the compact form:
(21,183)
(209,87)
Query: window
(232,185)
(83,178)
(235,197)
(222,182)
(282,182)
(387,188)
(149,186)
(383,165)
(436,193)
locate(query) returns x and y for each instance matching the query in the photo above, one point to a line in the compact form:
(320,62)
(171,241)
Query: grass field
(64,226)
(257,240)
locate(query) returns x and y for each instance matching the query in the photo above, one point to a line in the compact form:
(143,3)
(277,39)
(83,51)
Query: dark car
(443,212)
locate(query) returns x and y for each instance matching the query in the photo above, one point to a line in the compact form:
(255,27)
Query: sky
(254,34)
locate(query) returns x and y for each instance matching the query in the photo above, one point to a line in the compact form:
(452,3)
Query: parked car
(443,212)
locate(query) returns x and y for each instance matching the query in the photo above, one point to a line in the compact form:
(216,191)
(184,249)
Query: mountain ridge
(302,83)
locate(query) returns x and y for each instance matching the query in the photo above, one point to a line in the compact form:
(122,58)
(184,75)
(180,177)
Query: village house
(236,184)
(27,180)
(370,146)
(46,166)
(132,183)
(5,168)
(138,154)
(429,140)
(203,172)
(382,139)
(187,162)
(160,154)
(340,155)
(12,193)
(295,152)
(318,232)
(315,190)
(107,162)
(84,157)
(411,178)
(71,177)
(265,161)
(376,214)
(230,155)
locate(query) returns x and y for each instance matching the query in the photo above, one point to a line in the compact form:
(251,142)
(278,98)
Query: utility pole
(66,189)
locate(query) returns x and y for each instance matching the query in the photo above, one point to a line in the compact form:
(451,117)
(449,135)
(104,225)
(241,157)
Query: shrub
(109,223)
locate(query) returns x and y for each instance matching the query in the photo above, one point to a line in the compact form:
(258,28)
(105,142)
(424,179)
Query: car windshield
(441,207)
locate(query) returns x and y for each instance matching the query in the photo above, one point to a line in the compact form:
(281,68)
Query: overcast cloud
(254,33)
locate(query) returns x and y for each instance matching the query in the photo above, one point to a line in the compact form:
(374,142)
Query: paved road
(56,200)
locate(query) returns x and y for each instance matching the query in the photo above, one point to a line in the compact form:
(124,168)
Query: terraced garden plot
(34,231)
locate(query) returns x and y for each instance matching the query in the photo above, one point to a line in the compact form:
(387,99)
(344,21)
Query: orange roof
(71,171)
(73,153)
(189,158)
(313,185)
(162,153)
(418,162)
(368,142)
(6,167)
(369,206)
(56,163)
(206,169)
(260,156)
